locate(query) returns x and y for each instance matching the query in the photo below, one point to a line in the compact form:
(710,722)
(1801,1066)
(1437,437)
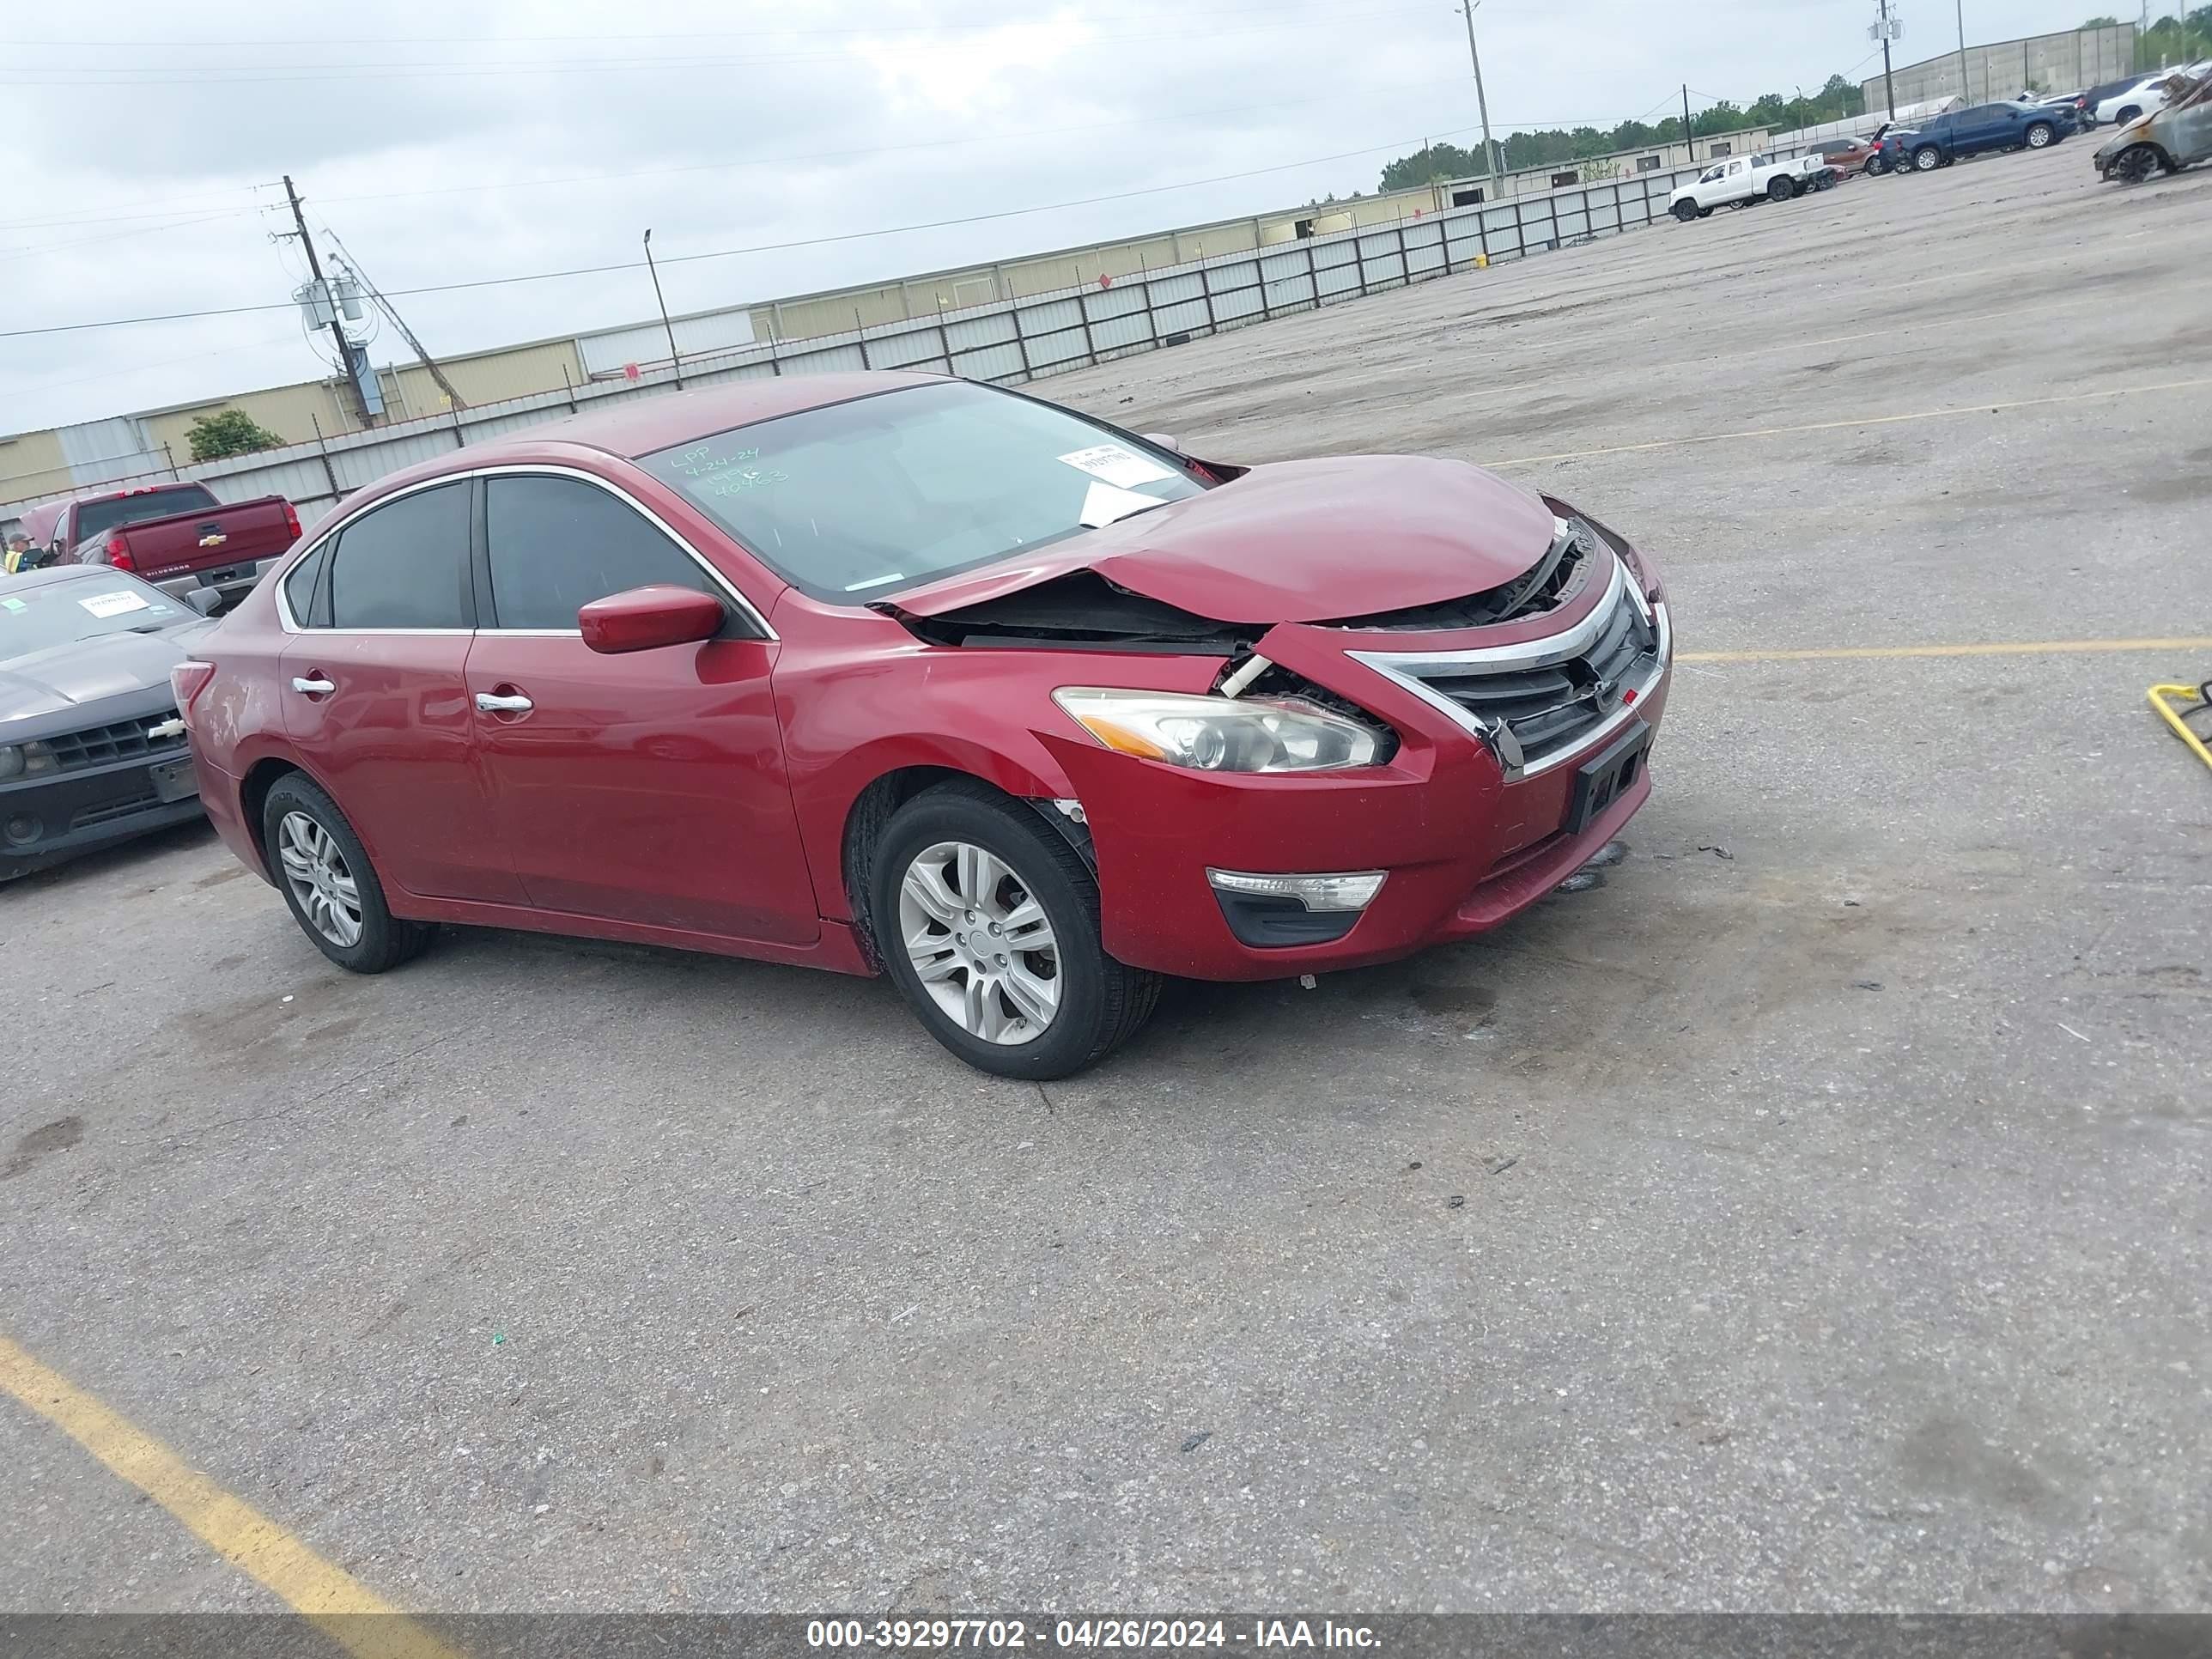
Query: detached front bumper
(1465,836)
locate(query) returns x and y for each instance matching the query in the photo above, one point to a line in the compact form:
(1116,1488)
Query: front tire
(2134,165)
(2040,135)
(987,919)
(333,889)
(2130,114)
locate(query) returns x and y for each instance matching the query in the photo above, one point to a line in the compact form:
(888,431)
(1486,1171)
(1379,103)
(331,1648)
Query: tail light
(186,681)
(118,552)
(292,521)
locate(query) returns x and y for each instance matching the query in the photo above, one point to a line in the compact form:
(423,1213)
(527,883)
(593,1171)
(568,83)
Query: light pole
(1964,91)
(1481,103)
(674,362)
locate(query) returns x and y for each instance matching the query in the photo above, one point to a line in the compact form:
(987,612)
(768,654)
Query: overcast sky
(458,141)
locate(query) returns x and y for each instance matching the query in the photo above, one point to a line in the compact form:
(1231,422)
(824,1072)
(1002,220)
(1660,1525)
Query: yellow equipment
(2174,703)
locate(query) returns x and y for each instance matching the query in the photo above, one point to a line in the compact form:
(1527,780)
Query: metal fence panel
(997,329)
(1130,328)
(1189,318)
(990,362)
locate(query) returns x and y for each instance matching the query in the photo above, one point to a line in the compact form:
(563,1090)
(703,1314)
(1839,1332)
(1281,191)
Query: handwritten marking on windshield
(699,462)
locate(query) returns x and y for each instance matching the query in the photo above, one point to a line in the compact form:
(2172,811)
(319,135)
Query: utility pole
(1687,143)
(399,322)
(1964,91)
(674,362)
(1481,103)
(338,329)
(1888,85)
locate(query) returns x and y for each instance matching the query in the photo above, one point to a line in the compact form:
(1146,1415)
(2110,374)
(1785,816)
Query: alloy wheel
(316,871)
(979,942)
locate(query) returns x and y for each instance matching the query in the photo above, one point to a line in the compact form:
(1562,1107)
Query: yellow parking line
(1862,420)
(1992,648)
(339,1605)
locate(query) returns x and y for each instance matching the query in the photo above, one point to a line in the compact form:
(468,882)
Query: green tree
(2102,23)
(232,432)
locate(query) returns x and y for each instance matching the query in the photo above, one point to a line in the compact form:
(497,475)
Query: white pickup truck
(1739,180)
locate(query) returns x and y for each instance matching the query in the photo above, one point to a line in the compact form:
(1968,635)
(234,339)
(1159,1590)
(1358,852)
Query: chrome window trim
(513,469)
(1404,669)
(331,526)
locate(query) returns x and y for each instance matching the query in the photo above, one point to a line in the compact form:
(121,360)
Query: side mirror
(647,618)
(205,600)
(1164,440)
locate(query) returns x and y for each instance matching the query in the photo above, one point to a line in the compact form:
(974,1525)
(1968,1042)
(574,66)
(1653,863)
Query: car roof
(643,425)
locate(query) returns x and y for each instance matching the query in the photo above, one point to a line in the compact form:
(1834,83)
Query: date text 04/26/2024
(1003,1635)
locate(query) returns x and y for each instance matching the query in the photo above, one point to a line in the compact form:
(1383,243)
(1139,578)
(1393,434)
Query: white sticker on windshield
(113,604)
(15,605)
(1111,464)
(1103,504)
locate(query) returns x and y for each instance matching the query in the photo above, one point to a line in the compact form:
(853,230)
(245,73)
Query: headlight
(11,762)
(1222,734)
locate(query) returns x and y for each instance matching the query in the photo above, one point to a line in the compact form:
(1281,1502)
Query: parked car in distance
(2145,96)
(2092,98)
(176,535)
(2177,136)
(1981,129)
(890,673)
(1740,180)
(92,750)
(1850,155)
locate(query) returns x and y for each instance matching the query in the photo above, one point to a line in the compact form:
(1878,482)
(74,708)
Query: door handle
(312,688)
(491,705)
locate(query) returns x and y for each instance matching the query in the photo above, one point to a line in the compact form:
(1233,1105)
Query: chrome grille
(1540,701)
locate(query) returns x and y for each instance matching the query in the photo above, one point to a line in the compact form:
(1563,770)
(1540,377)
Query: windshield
(41,616)
(857,499)
(97,518)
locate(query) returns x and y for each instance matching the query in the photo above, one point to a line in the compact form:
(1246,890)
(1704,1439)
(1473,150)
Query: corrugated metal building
(2066,62)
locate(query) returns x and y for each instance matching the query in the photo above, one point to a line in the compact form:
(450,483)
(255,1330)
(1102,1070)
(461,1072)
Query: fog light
(1354,891)
(22,829)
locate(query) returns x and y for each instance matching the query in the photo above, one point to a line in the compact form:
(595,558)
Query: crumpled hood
(1296,541)
(89,671)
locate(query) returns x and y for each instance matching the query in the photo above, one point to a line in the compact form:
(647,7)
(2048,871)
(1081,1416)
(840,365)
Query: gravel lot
(1814,1215)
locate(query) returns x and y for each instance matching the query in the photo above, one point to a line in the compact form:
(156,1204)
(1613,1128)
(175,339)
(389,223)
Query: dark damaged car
(92,750)
(895,674)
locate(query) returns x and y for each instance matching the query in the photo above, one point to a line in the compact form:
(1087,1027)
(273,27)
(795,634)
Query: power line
(759,248)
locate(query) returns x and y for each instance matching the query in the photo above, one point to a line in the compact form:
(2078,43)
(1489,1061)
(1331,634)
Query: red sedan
(892,672)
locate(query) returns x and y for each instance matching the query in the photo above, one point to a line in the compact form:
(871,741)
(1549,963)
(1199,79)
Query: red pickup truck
(176,535)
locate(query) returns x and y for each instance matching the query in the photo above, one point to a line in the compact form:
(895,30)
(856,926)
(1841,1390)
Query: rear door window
(303,590)
(556,544)
(403,564)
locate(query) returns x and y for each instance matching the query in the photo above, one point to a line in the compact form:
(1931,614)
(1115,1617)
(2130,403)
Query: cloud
(142,168)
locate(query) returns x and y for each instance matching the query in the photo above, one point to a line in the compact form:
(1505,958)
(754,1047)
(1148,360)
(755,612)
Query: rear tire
(1927,159)
(2130,114)
(328,883)
(1031,883)
(1685,211)
(1781,190)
